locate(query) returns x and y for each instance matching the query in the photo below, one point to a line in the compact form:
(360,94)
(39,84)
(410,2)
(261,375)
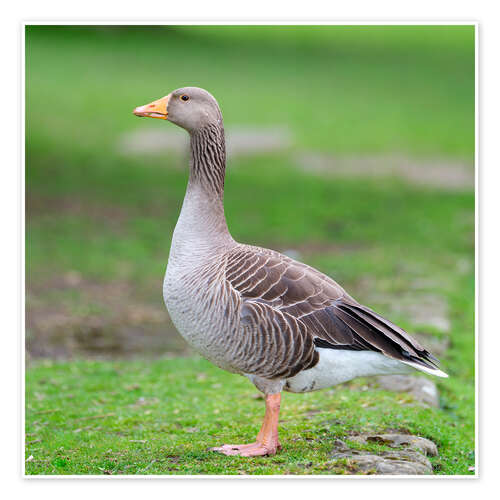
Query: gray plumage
(255,311)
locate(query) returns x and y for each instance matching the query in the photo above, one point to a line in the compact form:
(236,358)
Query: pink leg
(267,440)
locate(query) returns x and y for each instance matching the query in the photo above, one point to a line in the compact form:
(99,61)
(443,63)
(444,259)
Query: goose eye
(185,97)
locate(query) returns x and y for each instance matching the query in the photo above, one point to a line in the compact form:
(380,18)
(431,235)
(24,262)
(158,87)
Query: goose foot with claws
(247,450)
(267,443)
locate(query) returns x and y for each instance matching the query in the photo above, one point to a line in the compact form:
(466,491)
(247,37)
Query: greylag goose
(256,312)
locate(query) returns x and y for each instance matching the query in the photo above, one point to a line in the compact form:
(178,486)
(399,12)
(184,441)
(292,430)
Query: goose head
(191,108)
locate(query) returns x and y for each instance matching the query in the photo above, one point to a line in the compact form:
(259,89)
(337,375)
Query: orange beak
(156,109)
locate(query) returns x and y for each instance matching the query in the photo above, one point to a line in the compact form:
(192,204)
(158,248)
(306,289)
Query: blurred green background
(350,147)
(340,103)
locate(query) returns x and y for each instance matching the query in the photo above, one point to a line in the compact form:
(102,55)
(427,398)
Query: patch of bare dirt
(104,320)
(433,172)
(112,214)
(240,141)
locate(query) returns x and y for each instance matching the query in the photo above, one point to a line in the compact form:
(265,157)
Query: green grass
(91,209)
(189,415)
(160,417)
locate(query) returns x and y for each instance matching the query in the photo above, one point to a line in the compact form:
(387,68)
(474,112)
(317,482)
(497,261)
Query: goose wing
(288,308)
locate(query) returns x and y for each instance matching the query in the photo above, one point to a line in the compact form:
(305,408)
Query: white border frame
(244,23)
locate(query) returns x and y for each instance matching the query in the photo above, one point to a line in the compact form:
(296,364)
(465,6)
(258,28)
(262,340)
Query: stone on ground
(422,389)
(410,457)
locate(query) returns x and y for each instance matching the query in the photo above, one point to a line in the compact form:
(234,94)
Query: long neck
(202,224)
(208,160)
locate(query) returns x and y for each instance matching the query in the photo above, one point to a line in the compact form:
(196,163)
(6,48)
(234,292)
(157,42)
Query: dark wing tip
(373,332)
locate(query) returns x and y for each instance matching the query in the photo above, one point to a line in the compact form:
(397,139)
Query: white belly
(336,366)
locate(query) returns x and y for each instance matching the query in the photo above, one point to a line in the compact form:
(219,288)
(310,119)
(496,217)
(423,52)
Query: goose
(256,312)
